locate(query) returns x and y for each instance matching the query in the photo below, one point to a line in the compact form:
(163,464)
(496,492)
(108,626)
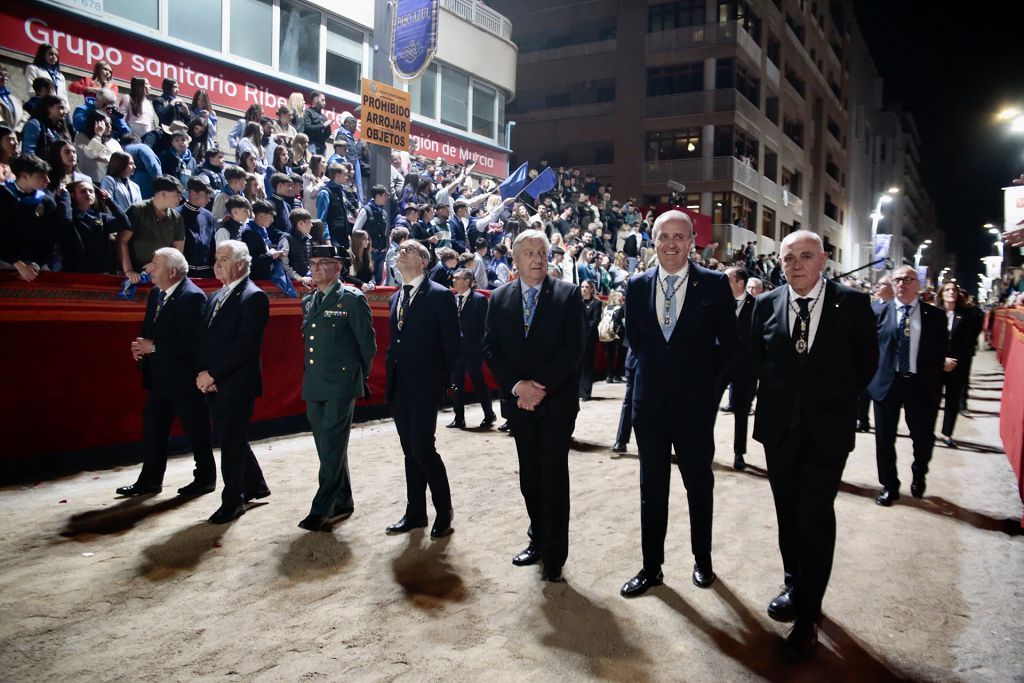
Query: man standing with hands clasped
(425,345)
(534,346)
(813,349)
(681,326)
(340,344)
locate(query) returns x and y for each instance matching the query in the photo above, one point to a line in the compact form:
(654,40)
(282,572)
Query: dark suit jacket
(230,345)
(742,373)
(931,351)
(678,377)
(441,275)
(458,231)
(591,319)
(171,370)
(961,340)
(551,354)
(421,357)
(473,320)
(820,391)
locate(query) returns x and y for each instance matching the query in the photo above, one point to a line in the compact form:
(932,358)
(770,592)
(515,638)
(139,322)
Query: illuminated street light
(1008,114)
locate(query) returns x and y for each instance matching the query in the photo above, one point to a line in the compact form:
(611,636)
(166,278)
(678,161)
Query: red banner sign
(24,27)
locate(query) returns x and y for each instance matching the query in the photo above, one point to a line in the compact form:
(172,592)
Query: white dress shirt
(739,304)
(661,286)
(415,283)
(915,331)
(814,304)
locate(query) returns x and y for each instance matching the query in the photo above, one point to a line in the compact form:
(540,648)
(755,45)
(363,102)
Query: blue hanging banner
(413,36)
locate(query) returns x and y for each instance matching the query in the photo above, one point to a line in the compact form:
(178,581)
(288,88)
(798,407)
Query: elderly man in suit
(534,344)
(472,308)
(681,326)
(165,351)
(912,351)
(740,376)
(230,376)
(813,350)
(337,328)
(425,345)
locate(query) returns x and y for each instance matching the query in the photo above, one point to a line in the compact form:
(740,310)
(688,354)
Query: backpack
(606,328)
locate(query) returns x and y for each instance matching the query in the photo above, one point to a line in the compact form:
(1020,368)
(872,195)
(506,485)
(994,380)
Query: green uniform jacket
(340,344)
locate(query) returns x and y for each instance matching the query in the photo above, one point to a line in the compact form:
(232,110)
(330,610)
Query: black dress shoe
(783,607)
(863,427)
(257,495)
(948,442)
(197,488)
(526,557)
(917,488)
(726,409)
(887,497)
(406,524)
(640,583)
(225,514)
(551,574)
(456,424)
(442,524)
(137,490)
(488,421)
(802,640)
(505,427)
(314,523)
(738,463)
(619,447)
(703,577)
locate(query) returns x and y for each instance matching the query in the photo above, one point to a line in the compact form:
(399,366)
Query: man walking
(472,308)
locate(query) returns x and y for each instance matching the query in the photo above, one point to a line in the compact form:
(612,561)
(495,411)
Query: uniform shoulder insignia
(352,288)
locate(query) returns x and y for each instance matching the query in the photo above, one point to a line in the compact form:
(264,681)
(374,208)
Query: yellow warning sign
(386,115)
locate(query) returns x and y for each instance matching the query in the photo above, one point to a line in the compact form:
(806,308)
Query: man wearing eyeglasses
(337,331)
(881,296)
(912,351)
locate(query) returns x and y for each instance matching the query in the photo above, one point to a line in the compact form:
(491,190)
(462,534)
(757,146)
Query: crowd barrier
(1007,336)
(71,385)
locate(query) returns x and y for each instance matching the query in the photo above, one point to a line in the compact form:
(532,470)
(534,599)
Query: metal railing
(476,12)
(730,237)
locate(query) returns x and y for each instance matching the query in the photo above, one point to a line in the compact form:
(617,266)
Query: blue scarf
(26,198)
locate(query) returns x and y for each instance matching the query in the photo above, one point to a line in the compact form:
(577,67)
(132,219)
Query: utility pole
(380,157)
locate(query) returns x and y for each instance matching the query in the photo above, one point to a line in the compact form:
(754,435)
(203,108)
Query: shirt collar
(230,287)
(416,281)
(813,294)
(663,274)
(170,290)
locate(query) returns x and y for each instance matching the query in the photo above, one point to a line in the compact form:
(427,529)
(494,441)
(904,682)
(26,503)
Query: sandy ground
(92,587)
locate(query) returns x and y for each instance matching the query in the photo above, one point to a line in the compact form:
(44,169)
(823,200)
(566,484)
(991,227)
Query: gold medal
(801,346)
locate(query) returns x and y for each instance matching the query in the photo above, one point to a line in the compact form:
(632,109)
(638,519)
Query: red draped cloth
(1007,325)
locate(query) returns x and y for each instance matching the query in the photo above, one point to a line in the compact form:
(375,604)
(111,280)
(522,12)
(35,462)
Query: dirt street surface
(102,589)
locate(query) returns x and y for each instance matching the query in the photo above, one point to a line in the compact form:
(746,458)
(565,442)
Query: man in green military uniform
(337,331)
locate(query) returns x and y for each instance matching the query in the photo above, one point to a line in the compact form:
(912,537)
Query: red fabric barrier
(1008,338)
(71,383)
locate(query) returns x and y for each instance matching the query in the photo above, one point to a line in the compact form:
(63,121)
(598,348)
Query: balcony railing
(703,35)
(731,237)
(479,14)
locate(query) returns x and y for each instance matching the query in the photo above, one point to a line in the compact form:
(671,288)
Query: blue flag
(515,183)
(542,183)
(281,279)
(413,37)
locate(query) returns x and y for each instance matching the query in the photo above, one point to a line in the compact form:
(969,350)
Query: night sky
(954,68)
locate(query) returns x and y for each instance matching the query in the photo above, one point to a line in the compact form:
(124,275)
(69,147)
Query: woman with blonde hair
(297,101)
(102,79)
(313,180)
(301,156)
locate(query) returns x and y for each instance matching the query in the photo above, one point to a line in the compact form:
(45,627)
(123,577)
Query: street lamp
(509,125)
(920,252)
(876,215)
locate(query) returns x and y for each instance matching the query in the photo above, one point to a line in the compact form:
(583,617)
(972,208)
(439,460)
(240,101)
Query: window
(604,152)
(771,109)
(833,128)
(560,34)
(143,12)
(251,30)
(738,10)
(725,73)
(673,15)
(794,80)
(454,98)
(344,56)
(721,208)
(423,92)
(794,130)
(483,111)
(744,211)
(671,80)
(774,50)
(792,181)
(199,28)
(673,144)
(300,41)
(767,223)
(734,141)
(501,118)
(771,165)
(831,210)
(748,86)
(564,95)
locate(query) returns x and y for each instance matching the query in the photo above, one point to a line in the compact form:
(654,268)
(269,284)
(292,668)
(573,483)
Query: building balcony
(771,75)
(479,14)
(794,203)
(770,191)
(597,47)
(693,170)
(731,237)
(726,33)
(701,102)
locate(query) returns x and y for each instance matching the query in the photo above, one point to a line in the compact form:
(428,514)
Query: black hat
(328,251)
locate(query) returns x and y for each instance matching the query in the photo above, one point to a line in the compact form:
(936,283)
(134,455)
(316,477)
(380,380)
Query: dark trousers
(626,414)
(955,386)
(238,467)
(741,396)
(157,418)
(475,369)
(863,408)
(695,449)
(416,420)
(908,394)
(805,475)
(613,353)
(331,422)
(543,448)
(967,381)
(587,369)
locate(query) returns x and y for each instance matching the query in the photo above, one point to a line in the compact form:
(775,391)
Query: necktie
(462,302)
(529,308)
(903,341)
(318,297)
(403,305)
(221,295)
(668,322)
(802,326)
(159,304)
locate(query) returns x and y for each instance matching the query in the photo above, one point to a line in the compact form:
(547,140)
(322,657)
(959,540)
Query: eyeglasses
(903,280)
(323,265)
(408,250)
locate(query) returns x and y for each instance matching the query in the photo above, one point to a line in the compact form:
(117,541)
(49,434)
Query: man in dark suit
(425,345)
(337,327)
(458,225)
(229,374)
(166,353)
(472,308)
(912,352)
(740,376)
(681,326)
(813,350)
(534,344)
(882,295)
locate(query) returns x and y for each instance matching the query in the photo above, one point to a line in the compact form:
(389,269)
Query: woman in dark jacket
(958,353)
(591,318)
(361,272)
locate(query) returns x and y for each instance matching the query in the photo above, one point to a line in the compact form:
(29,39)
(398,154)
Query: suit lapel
(689,302)
(830,301)
(230,302)
(542,305)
